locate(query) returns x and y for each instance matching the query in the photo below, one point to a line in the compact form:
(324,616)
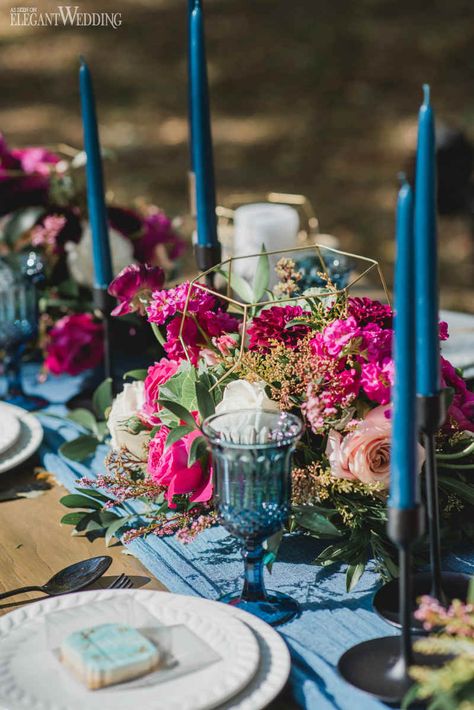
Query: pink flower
(190,335)
(167,303)
(271,326)
(461,409)
(46,233)
(158,374)
(74,344)
(376,380)
(225,344)
(364,453)
(133,287)
(376,342)
(170,468)
(341,336)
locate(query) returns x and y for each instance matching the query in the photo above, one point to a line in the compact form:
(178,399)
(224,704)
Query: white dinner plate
(32,678)
(28,441)
(9,427)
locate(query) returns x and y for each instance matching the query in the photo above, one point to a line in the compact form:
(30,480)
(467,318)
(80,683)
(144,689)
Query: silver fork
(122,582)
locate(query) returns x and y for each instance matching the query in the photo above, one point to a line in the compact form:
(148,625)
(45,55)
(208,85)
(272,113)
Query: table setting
(274,450)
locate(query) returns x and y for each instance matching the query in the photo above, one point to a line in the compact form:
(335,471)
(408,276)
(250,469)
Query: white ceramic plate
(31,677)
(9,427)
(29,439)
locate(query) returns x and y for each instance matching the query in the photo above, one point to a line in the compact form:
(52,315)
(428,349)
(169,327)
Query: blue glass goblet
(251,457)
(18,325)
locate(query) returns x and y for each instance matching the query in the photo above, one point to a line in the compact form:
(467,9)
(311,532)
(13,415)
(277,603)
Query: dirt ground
(311,96)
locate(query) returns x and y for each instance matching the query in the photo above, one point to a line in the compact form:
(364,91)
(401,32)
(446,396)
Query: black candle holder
(207,256)
(380,667)
(443,586)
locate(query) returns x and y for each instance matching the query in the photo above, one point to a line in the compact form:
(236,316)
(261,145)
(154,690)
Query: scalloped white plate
(29,678)
(29,439)
(10,427)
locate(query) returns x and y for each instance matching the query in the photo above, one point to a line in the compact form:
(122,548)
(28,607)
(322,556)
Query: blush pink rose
(158,374)
(170,468)
(364,454)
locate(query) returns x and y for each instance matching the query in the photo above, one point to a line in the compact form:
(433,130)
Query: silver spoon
(69,579)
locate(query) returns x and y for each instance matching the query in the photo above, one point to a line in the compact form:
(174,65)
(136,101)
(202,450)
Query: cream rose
(364,454)
(241,394)
(125,405)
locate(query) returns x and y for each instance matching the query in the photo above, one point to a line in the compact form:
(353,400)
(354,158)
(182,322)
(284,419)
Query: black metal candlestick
(208,256)
(443,586)
(103,302)
(380,667)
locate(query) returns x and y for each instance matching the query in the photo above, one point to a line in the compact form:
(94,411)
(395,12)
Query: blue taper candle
(426,255)
(103,274)
(200,129)
(404,491)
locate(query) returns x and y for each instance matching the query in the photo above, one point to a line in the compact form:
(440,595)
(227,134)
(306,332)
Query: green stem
(158,334)
(458,455)
(459,466)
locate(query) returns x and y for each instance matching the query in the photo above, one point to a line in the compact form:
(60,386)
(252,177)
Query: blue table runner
(332,620)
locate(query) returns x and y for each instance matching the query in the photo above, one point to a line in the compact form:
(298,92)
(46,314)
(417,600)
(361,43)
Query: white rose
(241,394)
(79,256)
(125,405)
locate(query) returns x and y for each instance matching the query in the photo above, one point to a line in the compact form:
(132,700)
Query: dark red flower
(270,327)
(133,287)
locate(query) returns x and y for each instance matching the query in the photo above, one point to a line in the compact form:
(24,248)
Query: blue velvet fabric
(332,620)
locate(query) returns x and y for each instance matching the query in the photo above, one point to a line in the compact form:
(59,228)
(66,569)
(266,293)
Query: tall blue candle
(403,463)
(200,123)
(426,255)
(103,274)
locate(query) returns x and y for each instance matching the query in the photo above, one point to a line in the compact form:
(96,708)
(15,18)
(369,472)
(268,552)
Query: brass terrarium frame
(245,308)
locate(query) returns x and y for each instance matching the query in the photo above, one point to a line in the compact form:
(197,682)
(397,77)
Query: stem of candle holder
(207,256)
(381,666)
(104,303)
(443,586)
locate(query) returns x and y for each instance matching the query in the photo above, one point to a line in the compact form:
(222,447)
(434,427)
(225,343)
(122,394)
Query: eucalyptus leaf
(75,500)
(92,493)
(80,448)
(139,374)
(353,574)
(179,411)
(317,523)
(113,529)
(102,398)
(197,450)
(72,518)
(239,285)
(262,276)
(205,401)
(176,434)
(84,418)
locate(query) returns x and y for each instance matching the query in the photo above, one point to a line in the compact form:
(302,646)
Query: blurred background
(319,98)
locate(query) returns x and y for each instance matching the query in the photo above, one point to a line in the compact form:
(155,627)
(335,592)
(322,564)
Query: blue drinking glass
(251,457)
(18,325)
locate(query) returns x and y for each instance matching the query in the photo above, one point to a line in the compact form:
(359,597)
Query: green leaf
(197,450)
(470,592)
(176,434)
(72,518)
(239,285)
(84,418)
(80,448)
(353,574)
(136,374)
(317,523)
(75,500)
(272,545)
(113,529)
(205,402)
(410,696)
(102,398)
(179,411)
(262,276)
(92,493)
(463,490)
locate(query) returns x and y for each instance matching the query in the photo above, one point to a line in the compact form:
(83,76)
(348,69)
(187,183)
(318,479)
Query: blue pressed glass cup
(251,457)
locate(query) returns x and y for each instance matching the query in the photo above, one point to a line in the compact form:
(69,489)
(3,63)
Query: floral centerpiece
(43,224)
(320,353)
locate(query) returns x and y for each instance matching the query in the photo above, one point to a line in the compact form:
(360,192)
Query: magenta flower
(165,304)
(270,327)
(133,287)
(461,409)
(158,374)
(376,380)
(367,311)
(158,232)
(75,344)
(170,468)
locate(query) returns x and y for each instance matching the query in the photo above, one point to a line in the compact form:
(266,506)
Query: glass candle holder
(251,457)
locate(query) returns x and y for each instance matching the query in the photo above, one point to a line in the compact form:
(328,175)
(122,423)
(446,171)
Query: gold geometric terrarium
(364,275)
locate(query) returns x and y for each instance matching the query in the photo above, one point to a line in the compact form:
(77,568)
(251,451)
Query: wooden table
(33,546)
